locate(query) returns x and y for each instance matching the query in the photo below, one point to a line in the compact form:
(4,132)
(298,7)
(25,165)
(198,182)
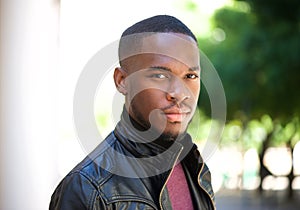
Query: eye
(192,76)
(159,76)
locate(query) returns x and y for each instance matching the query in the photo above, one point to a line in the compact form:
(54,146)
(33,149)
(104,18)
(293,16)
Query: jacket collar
(145,143)
(154,157)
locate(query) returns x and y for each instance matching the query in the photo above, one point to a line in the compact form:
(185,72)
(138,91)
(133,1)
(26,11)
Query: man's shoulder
(81,186)
(96,166)
(88,177)
(105,172)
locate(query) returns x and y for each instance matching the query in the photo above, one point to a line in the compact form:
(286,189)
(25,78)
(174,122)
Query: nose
(178,91)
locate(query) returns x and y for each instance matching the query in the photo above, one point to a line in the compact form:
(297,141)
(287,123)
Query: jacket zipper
(160,195)
(213,203)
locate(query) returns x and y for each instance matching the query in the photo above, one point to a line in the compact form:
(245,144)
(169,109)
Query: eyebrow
(195,68)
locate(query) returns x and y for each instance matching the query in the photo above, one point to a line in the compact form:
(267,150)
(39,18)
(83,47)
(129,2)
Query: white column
(28,73)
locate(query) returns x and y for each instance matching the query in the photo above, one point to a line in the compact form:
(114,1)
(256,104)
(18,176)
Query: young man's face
(163,83)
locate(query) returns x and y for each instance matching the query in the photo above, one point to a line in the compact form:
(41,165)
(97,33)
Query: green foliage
(255,47)
(200,126)
(270,11)
(232,133)
(259,59)
(256,131)
(246,135)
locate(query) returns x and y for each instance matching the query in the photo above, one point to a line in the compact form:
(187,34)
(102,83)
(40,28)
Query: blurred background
(253,44)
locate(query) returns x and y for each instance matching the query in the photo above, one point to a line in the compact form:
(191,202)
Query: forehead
(179,47)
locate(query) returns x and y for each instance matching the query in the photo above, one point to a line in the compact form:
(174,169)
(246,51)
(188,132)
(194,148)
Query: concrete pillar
(29,60)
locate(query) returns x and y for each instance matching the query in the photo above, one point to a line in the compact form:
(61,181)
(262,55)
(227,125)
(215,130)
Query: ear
(119,78)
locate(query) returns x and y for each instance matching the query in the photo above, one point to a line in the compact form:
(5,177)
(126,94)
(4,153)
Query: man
(149,160)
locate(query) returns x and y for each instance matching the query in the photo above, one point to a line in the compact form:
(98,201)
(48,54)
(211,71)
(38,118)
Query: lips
(176,115)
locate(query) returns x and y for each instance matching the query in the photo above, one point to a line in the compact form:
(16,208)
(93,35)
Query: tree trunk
(291,175)
(263,171)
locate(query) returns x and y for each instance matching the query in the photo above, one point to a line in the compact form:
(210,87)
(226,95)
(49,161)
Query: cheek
(149,99)
(134,91)
(195,91)
(144,103)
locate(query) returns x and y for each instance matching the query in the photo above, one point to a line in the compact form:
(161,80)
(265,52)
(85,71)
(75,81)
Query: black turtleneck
(137,137)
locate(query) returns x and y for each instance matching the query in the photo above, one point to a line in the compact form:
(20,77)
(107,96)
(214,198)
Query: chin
(173,134)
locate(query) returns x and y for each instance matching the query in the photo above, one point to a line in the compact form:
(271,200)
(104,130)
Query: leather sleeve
(75,192)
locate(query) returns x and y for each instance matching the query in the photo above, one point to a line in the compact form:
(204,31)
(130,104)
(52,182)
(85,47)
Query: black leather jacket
(123,174)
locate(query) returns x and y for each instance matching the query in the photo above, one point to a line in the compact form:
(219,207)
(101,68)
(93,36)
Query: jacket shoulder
(79,189)
(75,191)
(98,164)
(93,183)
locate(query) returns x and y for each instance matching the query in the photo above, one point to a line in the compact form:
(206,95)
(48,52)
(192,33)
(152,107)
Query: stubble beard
(144,125)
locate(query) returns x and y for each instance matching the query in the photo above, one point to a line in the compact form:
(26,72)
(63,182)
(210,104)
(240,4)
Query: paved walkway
(246,200)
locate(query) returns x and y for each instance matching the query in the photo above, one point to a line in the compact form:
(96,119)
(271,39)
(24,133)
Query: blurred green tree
(255,47)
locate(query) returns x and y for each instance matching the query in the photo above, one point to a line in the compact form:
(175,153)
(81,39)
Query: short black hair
(159,23)
(131,37)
